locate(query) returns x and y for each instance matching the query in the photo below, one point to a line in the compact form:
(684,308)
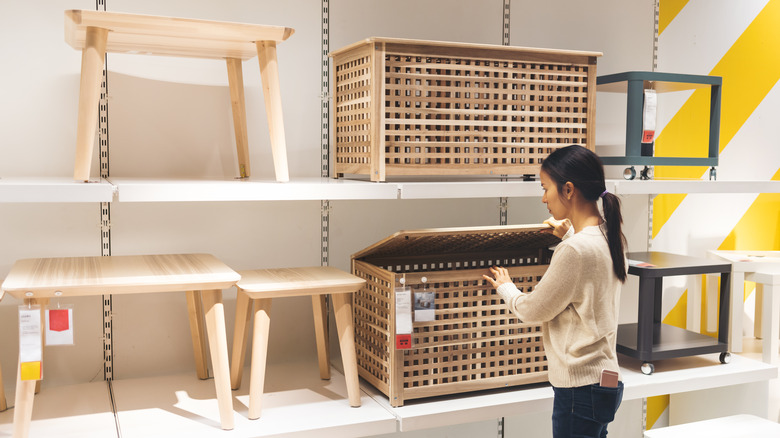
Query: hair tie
(603,193)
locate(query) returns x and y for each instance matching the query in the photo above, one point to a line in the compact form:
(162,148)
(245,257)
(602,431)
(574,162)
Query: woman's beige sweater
(576,302)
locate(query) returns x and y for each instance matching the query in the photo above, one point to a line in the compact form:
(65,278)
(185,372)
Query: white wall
(171,118)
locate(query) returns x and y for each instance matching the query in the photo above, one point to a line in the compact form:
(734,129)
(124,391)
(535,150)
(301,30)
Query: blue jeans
(585,411)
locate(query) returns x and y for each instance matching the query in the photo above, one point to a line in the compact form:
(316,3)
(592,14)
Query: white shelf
(50,190)
(670,376)
(73,411)
(302,189)
(297,403)
(54,190)
(654,187)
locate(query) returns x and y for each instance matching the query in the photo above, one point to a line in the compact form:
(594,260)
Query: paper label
(30,346)
(59,326)
(425,305)
(648,116)
(403,317)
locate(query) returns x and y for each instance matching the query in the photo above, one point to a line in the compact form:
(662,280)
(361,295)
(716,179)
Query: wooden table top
(82,276)
(171,36)
(288,282)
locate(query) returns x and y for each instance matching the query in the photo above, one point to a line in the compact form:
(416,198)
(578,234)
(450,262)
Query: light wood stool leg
(321,334)
(217,333)
(269,74)
(259,356)
(23,405)
(3,403)
(758,322)
(195,312)
(240,335)
(342,307)
(89,96)
(236,82)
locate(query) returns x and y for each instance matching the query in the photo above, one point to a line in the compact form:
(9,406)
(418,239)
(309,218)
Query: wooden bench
(259,287)
(98,32)
(203,277)
(736,426)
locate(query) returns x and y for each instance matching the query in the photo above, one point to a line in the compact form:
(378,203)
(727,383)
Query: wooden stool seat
(98,32)
(260,286)
(203,277)
(735,426)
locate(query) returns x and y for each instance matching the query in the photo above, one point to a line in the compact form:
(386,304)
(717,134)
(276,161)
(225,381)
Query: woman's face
(556,204)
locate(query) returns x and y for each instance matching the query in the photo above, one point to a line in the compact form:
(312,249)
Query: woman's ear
(568,190)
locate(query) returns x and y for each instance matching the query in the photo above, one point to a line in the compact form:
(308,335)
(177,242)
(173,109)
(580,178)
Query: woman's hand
(559,227)
(501,276)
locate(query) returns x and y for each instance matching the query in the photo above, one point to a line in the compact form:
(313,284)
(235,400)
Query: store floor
(751,348)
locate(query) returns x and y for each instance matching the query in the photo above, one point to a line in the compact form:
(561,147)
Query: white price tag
(403,318)
(30,346)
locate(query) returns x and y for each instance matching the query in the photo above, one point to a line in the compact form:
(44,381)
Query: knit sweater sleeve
(554,292)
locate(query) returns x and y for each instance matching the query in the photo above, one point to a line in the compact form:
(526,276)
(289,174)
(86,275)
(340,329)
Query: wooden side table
(260,286)
(37,280)
(98,32)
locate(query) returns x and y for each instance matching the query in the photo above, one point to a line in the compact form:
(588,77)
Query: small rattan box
(474,343)
(409,107)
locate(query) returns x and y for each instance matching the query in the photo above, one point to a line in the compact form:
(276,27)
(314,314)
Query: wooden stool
(261,286)
(735,426)
(98,32)
(37,280)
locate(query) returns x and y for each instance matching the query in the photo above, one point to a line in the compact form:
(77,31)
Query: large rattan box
(475,342)
(410,107)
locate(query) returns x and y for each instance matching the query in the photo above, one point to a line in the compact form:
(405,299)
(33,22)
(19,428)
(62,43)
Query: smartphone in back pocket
(609,379)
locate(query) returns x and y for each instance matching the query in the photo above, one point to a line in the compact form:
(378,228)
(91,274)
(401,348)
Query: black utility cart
(649,339)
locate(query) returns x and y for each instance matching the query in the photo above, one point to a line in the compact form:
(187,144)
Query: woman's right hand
(559,227)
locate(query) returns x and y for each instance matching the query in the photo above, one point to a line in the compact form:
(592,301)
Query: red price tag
(403,342)
(647,136)
(59,320)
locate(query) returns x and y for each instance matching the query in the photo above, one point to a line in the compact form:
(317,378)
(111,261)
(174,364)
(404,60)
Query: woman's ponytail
(615,238)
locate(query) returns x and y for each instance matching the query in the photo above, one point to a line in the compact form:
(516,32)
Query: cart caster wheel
(647,368)
(713,174)
(725,357)
(629,173)
(646,173)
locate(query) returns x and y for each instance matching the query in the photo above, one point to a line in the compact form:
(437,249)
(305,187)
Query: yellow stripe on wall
(667,10)
(750,69)
(758,229)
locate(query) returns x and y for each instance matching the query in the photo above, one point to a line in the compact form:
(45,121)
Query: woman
(576,300)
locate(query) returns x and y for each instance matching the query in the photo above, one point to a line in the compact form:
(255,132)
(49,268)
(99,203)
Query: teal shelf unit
(634,83)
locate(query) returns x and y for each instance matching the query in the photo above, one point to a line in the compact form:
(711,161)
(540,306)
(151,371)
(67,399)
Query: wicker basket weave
(407,107)
(475,342)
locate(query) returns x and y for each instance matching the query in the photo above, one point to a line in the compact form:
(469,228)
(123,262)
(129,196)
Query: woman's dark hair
(583,168)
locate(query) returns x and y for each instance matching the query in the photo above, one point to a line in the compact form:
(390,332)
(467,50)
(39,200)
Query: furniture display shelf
(54,189)
(121,189)
(180,405)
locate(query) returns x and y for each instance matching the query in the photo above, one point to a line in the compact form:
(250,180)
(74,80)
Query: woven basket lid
(438,241)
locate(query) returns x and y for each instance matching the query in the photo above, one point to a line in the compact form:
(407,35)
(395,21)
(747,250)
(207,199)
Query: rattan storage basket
(409,107)
(474,343)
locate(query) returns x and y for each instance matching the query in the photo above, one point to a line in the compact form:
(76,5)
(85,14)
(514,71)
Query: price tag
(59,326)
(649,115)
(30,346)
(403,318)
